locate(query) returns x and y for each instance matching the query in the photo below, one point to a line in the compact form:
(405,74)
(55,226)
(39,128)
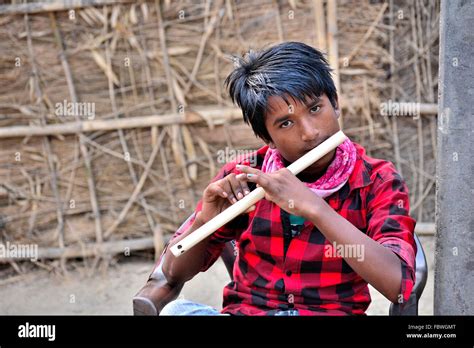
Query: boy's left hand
(284,189)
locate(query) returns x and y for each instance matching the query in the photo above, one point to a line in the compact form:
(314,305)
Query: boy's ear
(336,108)
(270,144)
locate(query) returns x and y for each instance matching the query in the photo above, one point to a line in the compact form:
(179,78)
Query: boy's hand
(284,189)
(221,194)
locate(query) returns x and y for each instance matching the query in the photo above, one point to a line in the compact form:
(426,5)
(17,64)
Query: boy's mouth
(312,147)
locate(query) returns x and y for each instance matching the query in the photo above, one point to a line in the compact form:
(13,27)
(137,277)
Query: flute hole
(182,251)
(179,246)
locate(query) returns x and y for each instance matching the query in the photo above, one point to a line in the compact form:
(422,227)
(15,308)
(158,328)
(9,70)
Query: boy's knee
(176,307)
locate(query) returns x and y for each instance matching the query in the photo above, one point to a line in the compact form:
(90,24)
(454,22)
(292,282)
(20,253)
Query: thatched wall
(169,60)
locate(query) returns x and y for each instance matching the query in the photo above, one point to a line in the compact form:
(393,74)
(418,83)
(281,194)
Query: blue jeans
(186,307)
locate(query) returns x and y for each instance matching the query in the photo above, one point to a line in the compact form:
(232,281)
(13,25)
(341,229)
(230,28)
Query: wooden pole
(216,116)
(88,250)
(320,24)
(82,145)
(46,143)
(54,5)
(333,49)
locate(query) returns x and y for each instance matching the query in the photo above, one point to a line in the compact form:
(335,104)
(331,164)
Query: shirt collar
(361,175)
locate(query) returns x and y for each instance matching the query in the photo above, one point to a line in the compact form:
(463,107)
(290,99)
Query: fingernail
(246,192)
(240,195)
(225,194)
(238,165)
(249,175)
(234,200)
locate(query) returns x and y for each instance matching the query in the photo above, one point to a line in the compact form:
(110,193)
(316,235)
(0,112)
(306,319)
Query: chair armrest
(421,269)
(156,293)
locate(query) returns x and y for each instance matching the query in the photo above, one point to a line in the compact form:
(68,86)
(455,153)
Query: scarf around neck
(332,180)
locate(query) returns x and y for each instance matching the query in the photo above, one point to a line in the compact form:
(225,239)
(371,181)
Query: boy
(318,238)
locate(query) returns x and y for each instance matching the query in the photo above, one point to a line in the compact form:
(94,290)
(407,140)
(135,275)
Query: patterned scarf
(335,176)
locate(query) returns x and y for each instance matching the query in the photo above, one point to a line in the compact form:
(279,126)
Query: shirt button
(289,273)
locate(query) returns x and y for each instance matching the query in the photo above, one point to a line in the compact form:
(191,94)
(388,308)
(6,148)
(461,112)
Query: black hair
(291,69)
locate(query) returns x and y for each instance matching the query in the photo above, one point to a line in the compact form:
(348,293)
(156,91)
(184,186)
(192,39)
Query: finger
(236,187)
(261,179)
(243,183)
(218,191)
(247,169)
(228,189)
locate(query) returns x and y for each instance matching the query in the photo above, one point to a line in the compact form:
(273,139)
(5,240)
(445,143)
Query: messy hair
(289,69)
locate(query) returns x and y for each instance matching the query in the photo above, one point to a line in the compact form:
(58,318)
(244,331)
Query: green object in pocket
(296,220)
(296,223)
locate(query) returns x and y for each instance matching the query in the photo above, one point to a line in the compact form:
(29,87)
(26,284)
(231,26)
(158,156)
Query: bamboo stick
(123,142)
(47,147)
(171,197)
(88,250)
(368,33)
(394,123)
(320,24)
(219,12)
(54,5)
(425,228)
(137,189)
(175,130)
(83,148)
(418,98)
(333,49)
(218,115)
(278,21)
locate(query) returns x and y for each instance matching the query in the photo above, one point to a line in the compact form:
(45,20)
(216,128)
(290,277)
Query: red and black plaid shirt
(275,272)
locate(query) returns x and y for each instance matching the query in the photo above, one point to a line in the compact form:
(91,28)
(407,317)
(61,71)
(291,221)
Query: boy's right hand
(221,194)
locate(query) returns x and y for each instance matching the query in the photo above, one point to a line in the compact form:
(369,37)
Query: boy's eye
(315,108)
(285,124)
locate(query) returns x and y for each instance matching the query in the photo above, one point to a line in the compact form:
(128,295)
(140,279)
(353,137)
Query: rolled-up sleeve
(390,224)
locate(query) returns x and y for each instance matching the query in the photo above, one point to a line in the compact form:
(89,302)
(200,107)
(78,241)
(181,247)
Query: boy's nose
(309,133)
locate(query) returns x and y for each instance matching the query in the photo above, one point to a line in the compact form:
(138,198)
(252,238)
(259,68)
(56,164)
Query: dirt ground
(110,291)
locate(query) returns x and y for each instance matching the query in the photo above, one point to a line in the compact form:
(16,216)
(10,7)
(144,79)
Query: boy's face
(299,127)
